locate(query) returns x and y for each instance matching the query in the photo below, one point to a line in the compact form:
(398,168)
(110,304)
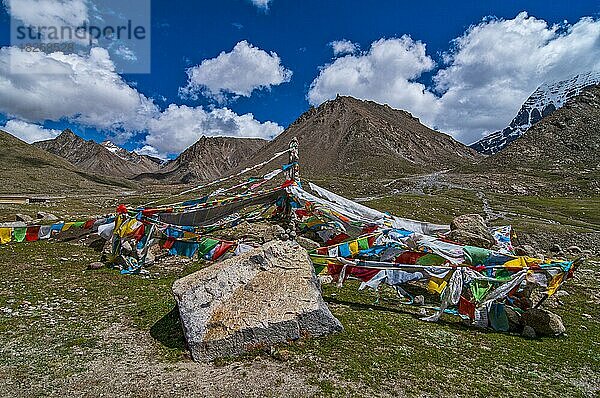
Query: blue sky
(300,33)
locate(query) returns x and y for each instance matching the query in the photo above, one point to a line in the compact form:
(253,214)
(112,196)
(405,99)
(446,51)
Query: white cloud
(126,53)
(497,64)
(82,89)
(239,72)
(341,47)
(263,4)
(150,151)
(44,14)
(487,74)
(180,126)
(384,74)
(29,132)
(49,12)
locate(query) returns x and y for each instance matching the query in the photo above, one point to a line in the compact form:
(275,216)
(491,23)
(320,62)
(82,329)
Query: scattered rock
(469,222)
(419,300)
(514,319)
(470,229)
(95,266)
(467,238)
(544,322)
(525,250)
(528,332)
(306,243)
(277,278)
(43,216)
(555,248)
(23,217)
(574,249)
(561,293)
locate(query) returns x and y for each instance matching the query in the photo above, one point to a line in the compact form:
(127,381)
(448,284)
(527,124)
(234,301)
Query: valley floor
(69,331)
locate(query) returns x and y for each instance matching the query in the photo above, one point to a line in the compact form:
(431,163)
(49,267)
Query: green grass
(384,349)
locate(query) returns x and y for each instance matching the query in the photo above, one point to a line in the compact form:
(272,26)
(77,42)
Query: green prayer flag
(479,290)
(19,234)
(363,243)
(207,245)
(476,255)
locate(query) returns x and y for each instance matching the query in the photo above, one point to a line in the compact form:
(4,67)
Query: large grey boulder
(265,296)
(470,229)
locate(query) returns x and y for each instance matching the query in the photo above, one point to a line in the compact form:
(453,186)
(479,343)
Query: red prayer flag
(465,307)
(138,234)
(89,224)
(32,233)
(169,243)
(221,250)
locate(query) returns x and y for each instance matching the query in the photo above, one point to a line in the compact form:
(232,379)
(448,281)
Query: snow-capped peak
(547,98)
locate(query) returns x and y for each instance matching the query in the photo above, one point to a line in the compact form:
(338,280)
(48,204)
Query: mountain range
(27,169)
(543,102)
(344,138)
(104,159)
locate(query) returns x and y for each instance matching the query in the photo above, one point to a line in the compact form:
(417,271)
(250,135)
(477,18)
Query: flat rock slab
(266,296)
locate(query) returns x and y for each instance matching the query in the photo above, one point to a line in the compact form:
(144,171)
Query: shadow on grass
(168,331)
(399,310)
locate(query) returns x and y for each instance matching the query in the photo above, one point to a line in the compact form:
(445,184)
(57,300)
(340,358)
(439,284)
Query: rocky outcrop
(470,229)
(266,296)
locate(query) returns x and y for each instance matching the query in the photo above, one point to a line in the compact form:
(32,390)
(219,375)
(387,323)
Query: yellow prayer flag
(555,283)
(353,247)
(67,226)
(5,235)
(436,285)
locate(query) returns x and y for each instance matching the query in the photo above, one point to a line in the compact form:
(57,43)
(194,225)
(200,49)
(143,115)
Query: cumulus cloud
(384,74)
(29,132)
(48,12)
(180,126)
(86,90)
(341,47)
(239,72)
(51,13)
(35,87)
(497,64)
(485,77)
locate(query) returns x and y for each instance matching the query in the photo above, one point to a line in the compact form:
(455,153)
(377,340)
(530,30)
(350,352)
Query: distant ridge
(28,169)
(105,159)
(564,143)
(209,158)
